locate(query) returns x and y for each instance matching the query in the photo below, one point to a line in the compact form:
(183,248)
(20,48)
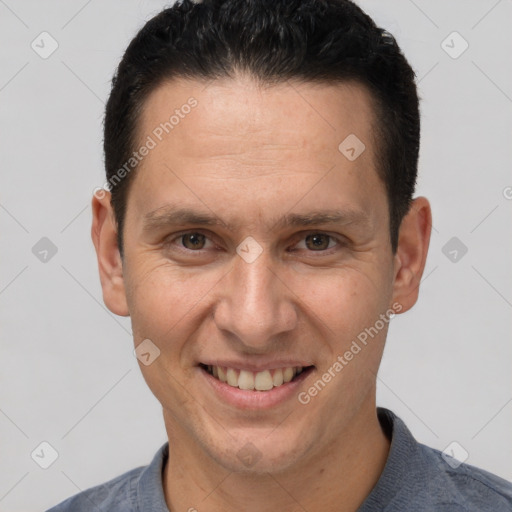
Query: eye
(195,241)
(191,241)
(318,242)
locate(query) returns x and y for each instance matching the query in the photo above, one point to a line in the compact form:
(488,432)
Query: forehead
(286,116)
(240,137)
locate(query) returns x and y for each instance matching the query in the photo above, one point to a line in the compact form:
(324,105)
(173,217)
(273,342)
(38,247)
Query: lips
(245,379)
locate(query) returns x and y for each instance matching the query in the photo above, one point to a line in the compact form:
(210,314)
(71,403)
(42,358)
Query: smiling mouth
(265,380)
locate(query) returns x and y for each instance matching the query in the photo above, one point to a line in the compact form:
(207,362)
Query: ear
(411,254)
(110,265)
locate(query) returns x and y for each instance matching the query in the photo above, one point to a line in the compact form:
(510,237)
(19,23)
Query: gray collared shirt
(415,478)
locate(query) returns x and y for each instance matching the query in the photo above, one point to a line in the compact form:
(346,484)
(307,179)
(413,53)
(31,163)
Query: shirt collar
(150,491)
(403,452)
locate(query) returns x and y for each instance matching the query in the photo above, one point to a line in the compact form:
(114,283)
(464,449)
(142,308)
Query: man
(261,232)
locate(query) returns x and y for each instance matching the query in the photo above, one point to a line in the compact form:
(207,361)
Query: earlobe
(104,237)
(411,254)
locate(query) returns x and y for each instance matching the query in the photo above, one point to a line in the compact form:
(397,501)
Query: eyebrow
(168,216)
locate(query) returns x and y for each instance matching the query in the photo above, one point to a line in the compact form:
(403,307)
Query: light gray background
(68,374)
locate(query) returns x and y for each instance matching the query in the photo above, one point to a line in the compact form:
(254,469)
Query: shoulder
(421,478)
(116,495)
(137,489)
(460,486)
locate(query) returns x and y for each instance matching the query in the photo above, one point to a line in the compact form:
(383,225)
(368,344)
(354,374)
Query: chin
(258,453)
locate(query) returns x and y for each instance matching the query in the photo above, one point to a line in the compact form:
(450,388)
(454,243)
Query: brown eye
(317,242)
(193,240)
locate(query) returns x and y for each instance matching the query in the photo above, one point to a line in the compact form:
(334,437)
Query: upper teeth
(260,381)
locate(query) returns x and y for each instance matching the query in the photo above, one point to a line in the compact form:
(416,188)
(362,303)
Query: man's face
(255,292)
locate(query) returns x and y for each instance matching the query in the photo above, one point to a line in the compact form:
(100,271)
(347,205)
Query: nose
(256,307)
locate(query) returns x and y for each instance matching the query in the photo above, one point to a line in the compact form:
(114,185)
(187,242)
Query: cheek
(345,301)
(164,307)
(163,299)
(347,307)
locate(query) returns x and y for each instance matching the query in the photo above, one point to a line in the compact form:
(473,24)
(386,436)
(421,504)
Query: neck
(338,477)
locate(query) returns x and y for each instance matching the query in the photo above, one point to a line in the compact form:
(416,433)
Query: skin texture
(250,155)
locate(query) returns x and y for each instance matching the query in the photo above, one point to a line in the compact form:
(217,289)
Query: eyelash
(179,236)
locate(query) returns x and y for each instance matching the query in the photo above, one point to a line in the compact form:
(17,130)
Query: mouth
(262,381)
